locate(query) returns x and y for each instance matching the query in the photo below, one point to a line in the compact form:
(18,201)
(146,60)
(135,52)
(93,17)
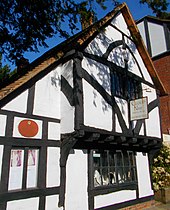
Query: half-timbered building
(79,125)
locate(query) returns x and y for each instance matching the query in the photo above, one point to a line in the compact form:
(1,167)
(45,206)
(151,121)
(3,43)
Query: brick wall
(162,66)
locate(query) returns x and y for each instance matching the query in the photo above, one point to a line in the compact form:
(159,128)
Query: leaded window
(112,168)
(125,87)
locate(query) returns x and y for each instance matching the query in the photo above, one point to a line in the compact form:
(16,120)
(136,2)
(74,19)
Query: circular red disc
(28,128)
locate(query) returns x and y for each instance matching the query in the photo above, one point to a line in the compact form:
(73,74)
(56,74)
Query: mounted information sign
(139,109)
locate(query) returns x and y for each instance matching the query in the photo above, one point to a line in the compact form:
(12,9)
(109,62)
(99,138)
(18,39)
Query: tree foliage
(4,71)
(159,7)
(26,24)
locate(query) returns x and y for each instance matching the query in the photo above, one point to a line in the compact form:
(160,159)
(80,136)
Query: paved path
(160,207)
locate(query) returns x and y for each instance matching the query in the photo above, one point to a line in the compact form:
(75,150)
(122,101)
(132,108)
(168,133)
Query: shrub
(161,168)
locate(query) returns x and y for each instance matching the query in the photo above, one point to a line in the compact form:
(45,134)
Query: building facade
(156,35)
(80,126)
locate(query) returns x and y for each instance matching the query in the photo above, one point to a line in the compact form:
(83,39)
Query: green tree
(4,71)
(26,24)
(159,7)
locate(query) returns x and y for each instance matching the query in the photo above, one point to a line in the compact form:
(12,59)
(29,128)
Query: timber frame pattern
(83,137)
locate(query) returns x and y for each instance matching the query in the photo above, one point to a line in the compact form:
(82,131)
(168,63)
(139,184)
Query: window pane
(32,168)
(133,166)
(97,178)
(104,159)
(113,168)
(112,176)
(127,169)
(117,84)
(105,176)
(97,175)
(16,169)
(121,86)
(132,159)
(96,159)
(119,162)
(129,89)
(112,159)
(120,174)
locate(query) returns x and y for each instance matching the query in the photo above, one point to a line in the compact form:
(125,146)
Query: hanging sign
(139,109)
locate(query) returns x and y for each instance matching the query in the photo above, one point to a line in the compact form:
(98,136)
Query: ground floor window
(113,167)
(23,171)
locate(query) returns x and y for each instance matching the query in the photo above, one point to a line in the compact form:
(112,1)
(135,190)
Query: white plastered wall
(143,175)
(53,131)
(99,45)
(120,23)
(47,95)
(114,198)
(123,106)
(3,119)
(1,155)
(99,72)
(67,111)
(67,72)
(132,62)
(97,112)
(24,204)
(53,167)
(76,181)
(67,115)
(153,126)
(18,104)
(52,203)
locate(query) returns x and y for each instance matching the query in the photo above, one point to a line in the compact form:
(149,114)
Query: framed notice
(139,109)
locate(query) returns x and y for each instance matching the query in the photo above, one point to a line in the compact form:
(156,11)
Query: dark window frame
(125,86)
(25,150)
(118,184)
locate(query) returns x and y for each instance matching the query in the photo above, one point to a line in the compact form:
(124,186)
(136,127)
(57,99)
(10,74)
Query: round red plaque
(28,128)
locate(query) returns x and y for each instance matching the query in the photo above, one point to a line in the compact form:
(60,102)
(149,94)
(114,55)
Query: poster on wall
(32,168)
(16,169)
(139,109)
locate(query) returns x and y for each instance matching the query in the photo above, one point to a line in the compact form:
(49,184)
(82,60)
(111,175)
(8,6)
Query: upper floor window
(125,86)
(114,168)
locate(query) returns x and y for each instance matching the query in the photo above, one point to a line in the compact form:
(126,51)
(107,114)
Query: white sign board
(139,109)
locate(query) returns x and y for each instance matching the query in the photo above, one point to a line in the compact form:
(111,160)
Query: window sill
(113,188)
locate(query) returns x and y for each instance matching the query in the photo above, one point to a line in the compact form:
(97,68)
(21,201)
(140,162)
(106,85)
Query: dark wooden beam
(121,139)
(109,139)
(93,137)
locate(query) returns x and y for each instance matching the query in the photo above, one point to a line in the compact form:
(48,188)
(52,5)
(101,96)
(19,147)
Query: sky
(137,10)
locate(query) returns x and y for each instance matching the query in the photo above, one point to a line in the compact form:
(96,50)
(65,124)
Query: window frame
(24,167)
(125,85)
(131,184)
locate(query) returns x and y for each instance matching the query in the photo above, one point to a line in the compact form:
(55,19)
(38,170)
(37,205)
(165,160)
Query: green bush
(161,168)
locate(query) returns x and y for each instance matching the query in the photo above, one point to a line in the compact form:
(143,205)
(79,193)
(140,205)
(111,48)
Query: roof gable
(81,40)
(153,19)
